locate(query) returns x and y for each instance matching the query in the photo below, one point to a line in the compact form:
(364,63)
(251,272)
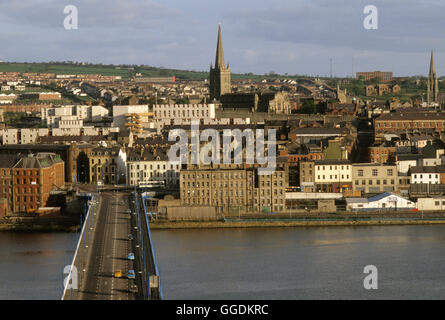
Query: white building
(182,114)
(23,136)
(431,204)
(332,171)
(426,175)
(72,115)
(122,113)
(151,167)
(384,201)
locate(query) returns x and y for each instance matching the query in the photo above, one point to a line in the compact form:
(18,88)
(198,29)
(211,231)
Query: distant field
(124,73)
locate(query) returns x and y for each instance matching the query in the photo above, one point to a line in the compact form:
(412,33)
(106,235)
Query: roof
(427,169)
(412,116)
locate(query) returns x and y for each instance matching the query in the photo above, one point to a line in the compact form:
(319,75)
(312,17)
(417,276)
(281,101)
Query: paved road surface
(109,252)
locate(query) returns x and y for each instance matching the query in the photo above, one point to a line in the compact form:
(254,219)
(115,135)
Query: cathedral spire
(432,68)
(432,83)
(219,61)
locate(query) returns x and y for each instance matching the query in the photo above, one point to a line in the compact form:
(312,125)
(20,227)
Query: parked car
(131,256)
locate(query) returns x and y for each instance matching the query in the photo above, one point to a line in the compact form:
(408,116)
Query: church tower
(433,83)
(220,74)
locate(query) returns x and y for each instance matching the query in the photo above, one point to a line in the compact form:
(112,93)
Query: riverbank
(281,224)
(27,224)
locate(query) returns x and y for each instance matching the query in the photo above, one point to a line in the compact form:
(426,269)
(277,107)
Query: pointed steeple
(432,68)
(219,61)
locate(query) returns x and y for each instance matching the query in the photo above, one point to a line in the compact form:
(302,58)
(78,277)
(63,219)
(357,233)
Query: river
(302,263)
(275,263)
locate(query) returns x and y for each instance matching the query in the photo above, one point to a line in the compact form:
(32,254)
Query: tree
(308,107)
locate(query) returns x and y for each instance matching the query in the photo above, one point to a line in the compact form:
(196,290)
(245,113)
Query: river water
(276,263)
(302,263)
(31,264)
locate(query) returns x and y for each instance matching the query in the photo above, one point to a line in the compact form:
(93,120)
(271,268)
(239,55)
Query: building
(144,166)
(383,76)
(34,179)
(333,175)
(220,82)
(107,165)
(386,201)
(7,162)
(182,114)
(307,176)
(408,122)
(374,178)
(234,190)
(427,175)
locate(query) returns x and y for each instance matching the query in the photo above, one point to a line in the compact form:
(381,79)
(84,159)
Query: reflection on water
(31,264)
(301,263)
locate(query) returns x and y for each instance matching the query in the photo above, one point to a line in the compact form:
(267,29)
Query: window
(389,172)
(375,172)
(360,173)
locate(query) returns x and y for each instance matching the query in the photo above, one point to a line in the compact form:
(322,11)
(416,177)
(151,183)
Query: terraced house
(107,165)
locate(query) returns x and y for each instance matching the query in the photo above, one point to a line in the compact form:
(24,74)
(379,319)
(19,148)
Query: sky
(259,36)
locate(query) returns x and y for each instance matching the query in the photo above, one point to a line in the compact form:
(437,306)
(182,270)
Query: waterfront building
(374,177)
(234,190)
(34,179)
(333,175)
(144,166)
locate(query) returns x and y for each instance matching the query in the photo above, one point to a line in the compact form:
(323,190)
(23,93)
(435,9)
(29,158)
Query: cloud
(287,36)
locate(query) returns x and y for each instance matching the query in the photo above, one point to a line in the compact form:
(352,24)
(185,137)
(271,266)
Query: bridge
(114,258)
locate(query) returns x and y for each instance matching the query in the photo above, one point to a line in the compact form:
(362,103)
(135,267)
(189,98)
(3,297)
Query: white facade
(156,170)
(431,204)
(119,113)
(182,114)
(382,201)
(57,132)
(403,166)
(10,136)
(332,173)
(23,136)
(60,116)
(425,178)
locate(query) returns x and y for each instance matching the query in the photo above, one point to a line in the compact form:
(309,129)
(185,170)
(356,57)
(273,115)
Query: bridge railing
(72,278)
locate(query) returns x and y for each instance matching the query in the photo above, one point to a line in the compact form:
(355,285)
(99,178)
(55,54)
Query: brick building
(34,178)
(402,122)
(384,76)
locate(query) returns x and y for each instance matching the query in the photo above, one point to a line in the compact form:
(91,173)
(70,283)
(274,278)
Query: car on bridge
(131,256)
(134,288)
(118,274)
(131,274)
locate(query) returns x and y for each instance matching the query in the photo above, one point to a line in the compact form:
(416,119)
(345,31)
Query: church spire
(432,83)
(219,61)
(432,68)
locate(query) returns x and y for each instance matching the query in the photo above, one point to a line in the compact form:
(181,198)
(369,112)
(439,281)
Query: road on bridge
(109,251)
